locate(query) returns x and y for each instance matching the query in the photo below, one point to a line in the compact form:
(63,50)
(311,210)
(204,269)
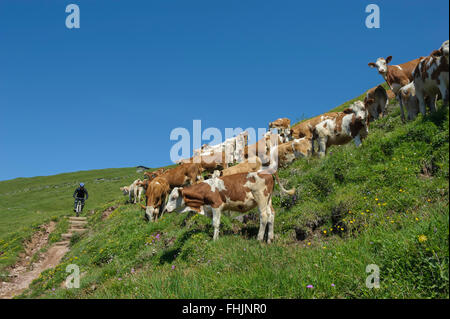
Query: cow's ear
(388,59)
(372,65)
(348,111)
(436,52)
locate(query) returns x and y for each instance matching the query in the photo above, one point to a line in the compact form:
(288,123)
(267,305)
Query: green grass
(385,203)
(26,203)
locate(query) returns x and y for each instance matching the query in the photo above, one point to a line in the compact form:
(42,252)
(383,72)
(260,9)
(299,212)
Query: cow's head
(143,184)
(359,109)
(368,103)
(359,123)
(125,190)
(444,51)
(149,211)
(381,65)
(445,48)
(176,201)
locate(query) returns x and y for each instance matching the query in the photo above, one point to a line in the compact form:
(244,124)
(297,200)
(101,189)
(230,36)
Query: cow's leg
(411,115)
(262,202)
(432,103)
(382,107)
(375,112)
(414,106)
(399,99)
(357,140)
(216,222)
(135,194)
(421,99)
(444,92)
(271,220)
(163,206)
(322,146)
(263,218)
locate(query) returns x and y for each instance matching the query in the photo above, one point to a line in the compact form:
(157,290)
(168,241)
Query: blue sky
(109,94)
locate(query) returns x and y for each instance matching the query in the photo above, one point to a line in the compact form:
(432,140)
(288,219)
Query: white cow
(133,190)
(409,100)
(342,128)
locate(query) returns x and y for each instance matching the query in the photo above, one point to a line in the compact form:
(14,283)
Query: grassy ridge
(385,203)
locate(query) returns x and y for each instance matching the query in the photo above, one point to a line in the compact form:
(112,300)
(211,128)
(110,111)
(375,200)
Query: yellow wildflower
(422,238)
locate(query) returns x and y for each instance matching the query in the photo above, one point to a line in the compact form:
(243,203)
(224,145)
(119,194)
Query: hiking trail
(22,274)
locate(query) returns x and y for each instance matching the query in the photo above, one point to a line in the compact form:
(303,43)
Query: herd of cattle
(234,176)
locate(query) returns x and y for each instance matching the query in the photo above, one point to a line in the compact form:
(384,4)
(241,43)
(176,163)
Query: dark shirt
(80,192)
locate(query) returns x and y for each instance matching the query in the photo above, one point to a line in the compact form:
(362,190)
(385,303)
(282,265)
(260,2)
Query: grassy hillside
(26,203)
(385,203)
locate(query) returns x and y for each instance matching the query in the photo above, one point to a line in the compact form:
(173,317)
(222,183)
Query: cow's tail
(289,192)
(273,167)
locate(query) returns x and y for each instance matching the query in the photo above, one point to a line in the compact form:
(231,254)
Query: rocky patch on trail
(108,211)
(25,271)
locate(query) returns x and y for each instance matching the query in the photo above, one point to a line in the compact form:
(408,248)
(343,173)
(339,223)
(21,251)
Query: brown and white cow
(156,194)
(431,77)
(290,151)
(375,102)
(183,174)
(396,76)
(345,126)
(158,188)
(283,126)
(153,174)
(259,149)
(239,192)
(306,128)
(253,164)
(208,161)
(280,123)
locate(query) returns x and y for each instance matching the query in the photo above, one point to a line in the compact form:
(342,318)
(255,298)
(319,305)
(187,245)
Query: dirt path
(23,273)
